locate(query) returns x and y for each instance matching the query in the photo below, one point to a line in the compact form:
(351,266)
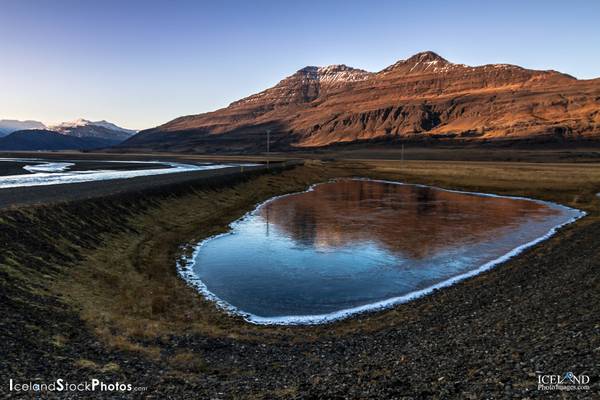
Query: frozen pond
(355,245)
(25,172)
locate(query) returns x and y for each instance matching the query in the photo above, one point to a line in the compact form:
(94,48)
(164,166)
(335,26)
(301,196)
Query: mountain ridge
(423,97)
(7,126)
(95,129)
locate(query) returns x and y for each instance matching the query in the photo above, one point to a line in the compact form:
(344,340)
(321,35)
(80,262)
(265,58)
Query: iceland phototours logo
(567,381)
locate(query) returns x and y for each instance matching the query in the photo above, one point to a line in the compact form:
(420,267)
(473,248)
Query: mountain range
(424,98)
(80,134)
(42,139)
(96,129)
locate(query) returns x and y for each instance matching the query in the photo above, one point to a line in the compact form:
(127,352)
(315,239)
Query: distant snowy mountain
(110,125)
(8,126)
(94,129)
(80,134)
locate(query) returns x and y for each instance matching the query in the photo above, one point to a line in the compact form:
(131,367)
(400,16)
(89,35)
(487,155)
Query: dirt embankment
(89,289)
(43,335)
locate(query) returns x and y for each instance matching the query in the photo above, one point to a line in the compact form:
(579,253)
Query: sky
(142,63)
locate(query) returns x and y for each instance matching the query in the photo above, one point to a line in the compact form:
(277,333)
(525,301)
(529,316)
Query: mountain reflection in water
(414,221)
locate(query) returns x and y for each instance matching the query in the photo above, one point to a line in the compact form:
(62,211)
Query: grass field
(572,184)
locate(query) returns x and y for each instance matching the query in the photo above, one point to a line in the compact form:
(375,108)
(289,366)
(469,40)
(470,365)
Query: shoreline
(185,265)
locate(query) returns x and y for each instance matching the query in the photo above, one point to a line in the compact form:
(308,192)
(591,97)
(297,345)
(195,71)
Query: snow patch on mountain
(341,73)
(66,127)
(332,74)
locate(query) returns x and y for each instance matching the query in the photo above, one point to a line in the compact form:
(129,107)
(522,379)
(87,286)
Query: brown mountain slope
(422,98)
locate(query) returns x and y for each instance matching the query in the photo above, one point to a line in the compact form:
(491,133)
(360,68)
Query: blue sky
(142,63)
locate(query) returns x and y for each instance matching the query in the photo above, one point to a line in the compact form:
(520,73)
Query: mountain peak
(427,56)
(423,62)
(306,84)
(71,124)
(99,129)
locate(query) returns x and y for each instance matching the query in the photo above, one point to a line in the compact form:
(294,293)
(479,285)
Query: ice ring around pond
(356,245)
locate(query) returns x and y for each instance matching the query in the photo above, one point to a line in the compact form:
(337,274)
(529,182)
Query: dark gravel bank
(51,194)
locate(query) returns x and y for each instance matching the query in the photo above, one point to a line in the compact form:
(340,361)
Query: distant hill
(38,139)
(8,126)
(80,134)
(423,98)
(94,129)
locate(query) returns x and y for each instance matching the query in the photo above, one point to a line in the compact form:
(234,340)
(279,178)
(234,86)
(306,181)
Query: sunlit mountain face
(422,98)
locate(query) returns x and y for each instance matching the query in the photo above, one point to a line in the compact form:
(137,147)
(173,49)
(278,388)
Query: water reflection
(356,242)
(412,221)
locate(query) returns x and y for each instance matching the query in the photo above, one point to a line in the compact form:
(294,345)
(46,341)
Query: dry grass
(88,364)
(575,185)
(128,290)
